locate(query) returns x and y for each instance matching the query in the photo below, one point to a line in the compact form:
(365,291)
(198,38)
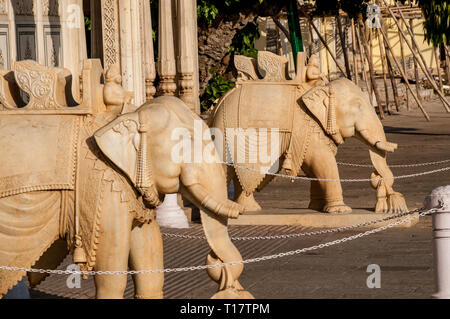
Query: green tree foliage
(217,87)
(209,10)
(437,20)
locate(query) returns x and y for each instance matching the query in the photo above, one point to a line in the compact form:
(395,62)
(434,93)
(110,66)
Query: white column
(185,52)
(170,215)
(149,62)
(441,239)
(166,56)
(73,41)
(110,33)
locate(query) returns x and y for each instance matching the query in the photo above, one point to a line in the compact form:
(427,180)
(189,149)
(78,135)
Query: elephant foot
(393,203)
(232,293)
(337,209)
(316,204)
(248,202)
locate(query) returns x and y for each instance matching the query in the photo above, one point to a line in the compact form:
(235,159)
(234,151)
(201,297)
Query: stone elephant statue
(88,184)
(300,123)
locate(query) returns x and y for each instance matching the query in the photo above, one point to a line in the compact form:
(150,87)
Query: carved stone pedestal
(170,215)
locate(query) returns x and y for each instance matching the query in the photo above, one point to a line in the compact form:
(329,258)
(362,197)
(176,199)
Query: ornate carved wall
(36,30)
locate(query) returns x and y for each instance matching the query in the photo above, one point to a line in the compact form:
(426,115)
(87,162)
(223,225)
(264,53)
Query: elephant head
(344,111)
(143,145)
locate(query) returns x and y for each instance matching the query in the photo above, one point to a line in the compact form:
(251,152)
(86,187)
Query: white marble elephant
(311,119)
(88,184)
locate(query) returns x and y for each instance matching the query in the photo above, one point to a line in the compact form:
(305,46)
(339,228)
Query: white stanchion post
(169,213)
(441,239)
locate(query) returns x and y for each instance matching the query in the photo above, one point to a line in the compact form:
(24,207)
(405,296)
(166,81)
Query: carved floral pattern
(110,33)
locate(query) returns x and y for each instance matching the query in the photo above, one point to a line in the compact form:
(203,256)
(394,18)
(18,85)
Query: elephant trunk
(371,132)
(199,195)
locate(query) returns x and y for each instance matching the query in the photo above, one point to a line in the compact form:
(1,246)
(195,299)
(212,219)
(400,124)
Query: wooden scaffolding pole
(326,52)
(438,65)
(424,66)
(404,75)
(321,39)
(402,50)
(344,50)
(355,63)
(363,65)
(416,69)
(383,68)
(371,71)
(390,68)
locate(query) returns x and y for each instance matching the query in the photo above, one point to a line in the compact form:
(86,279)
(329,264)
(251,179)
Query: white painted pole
(170,215)
(441,239)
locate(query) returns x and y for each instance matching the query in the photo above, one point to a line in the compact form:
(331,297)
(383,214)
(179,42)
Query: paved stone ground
(404,255)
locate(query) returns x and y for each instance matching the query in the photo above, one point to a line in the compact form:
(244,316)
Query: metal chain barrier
(247,261)
(305,234)
(397,166)
(353,180)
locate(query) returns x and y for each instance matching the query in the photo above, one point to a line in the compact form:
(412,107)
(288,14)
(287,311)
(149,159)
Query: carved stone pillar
(74,47)
(166,56)
(149,62)
(185,52)
(110,30)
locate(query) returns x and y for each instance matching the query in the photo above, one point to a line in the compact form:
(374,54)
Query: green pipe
(294,29)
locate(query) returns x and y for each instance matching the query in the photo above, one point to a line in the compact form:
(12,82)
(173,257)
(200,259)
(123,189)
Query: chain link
(397,166)
(305,234)
(247,261)
(340,180)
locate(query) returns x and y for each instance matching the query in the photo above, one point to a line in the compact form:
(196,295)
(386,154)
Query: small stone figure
(313,75)
(116,98)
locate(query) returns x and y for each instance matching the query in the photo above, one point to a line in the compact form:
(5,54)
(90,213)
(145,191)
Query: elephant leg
(247,201)
(223,251)
(146,253)
(326,196)
(113,247)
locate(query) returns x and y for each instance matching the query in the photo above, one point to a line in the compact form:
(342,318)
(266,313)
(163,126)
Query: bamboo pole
(363,65)
(326,52)
(391,75)
(416,69)
(341,37)
(313,45)
(424,66)
(371,71)
(321,39)
(404,75)
(402,50)
(383,68)
(355,64)
(438,66)
(447,63)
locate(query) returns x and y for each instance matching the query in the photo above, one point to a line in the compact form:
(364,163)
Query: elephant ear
(317,102)
(321,102)
(119,141)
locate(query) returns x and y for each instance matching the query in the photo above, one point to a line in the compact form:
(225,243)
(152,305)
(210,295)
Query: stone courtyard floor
(403,254)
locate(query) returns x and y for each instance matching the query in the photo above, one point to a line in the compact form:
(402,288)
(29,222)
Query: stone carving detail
(246,67)
(116,98)
(44,85)
(274,66)
(23,7)
(111,47)
(50,7)
(3,7)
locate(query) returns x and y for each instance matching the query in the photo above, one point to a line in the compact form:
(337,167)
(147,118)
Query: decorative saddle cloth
(37,153)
